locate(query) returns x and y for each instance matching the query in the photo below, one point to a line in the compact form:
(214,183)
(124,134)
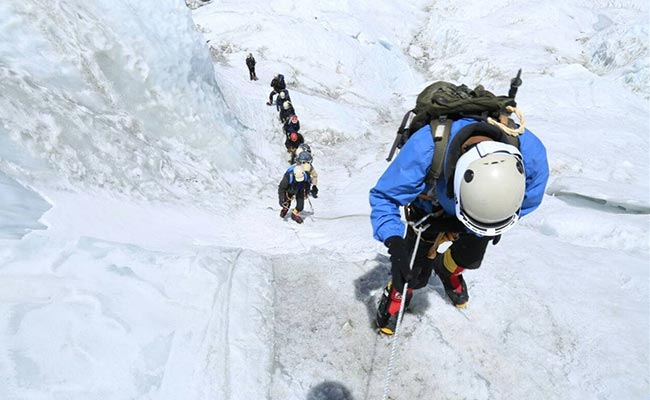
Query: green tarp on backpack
(454,102)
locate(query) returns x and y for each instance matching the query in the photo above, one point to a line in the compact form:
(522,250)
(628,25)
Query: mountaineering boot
(296,217)
(453,281)
(283,212)
(388,308)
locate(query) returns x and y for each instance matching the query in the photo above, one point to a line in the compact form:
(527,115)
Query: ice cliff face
(112,94)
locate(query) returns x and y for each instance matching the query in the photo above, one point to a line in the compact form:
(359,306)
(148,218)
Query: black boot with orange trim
(388,308)
(452,279)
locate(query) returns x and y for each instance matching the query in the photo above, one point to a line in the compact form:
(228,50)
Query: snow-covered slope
(143,256)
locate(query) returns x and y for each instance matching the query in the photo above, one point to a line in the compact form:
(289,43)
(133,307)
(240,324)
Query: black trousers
(300,202)
(300,199)
(251,72)
(467,251)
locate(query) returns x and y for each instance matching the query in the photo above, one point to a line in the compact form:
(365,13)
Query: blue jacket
(403,180)
(290,187)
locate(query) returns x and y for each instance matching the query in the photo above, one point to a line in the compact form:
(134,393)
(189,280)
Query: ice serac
(20,209)
(114,94)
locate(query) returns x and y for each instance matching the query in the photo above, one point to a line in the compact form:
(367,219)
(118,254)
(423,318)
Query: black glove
(284,212)
(314,192)
(398,258)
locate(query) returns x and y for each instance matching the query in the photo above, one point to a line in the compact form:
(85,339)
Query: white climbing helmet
(299,173)
(286,105)
(489,187)
(283,95)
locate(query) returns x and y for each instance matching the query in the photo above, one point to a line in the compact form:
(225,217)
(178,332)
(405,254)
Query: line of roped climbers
(483,182)
(300,180)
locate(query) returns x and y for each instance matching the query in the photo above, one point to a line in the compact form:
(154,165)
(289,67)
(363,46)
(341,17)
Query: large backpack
(281,83)
(440,103)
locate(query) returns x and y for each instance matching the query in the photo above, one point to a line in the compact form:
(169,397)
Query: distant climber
(250,63)
(286,112)
(305,159)
(283,96)
(277,83)
(291,125)
(295,184)
(294,140)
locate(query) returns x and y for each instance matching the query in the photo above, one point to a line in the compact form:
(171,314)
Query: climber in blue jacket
(486,185)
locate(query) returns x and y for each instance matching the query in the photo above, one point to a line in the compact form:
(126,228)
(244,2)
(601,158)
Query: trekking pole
(310,206)
(418,227)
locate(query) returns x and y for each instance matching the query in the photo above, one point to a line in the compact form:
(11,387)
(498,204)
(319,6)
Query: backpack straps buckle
(440,125)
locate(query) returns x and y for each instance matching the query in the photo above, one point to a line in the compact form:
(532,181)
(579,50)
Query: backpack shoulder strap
(513,140)
(440,129)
